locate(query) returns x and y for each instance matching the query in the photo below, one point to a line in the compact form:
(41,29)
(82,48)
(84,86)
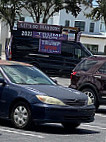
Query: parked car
(27,95)
(89,76)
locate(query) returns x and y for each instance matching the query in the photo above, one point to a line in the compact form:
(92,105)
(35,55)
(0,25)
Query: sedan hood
(57,91)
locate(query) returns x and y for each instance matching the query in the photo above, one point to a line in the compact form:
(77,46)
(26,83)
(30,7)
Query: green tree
(98,11)
(44,9)
(9,11)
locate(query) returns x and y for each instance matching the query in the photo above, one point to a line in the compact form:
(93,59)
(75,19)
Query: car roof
(5,62)
(97,57)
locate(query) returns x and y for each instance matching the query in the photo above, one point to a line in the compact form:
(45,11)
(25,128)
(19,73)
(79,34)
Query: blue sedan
(27,95)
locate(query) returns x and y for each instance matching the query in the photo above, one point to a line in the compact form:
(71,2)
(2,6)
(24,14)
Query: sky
(94,2)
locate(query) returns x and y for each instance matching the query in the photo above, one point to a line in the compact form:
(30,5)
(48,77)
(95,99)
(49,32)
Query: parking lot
(91,132)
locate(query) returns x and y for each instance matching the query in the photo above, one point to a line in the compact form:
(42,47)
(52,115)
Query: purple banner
(48,35)
(50,46)
(39,27)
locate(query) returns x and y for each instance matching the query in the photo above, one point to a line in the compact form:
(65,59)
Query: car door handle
(97,76)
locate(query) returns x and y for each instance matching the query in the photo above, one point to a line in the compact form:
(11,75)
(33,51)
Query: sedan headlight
(89,101)
(49,100)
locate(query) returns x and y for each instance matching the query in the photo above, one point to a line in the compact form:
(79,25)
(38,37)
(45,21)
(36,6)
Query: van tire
(70,126)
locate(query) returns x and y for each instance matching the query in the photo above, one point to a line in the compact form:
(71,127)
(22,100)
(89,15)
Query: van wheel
(89,92)
(21,115)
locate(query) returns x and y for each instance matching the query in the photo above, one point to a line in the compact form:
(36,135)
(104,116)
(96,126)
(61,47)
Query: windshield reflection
(26,75)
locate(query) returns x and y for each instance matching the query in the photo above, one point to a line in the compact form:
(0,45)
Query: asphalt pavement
(91,132)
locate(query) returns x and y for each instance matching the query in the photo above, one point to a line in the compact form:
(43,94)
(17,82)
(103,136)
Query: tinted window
(78,53)
(22,43)
(103,68)
(67,49)
(1,76)
(85,65)
(71,49)
(84,54)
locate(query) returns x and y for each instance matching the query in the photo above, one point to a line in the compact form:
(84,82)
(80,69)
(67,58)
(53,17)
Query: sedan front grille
(75,102)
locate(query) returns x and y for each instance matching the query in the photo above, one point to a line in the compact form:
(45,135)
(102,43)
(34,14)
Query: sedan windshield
(26,75)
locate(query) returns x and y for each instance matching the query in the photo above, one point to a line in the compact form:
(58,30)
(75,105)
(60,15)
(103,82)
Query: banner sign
(40,35)
(45,31)
(47,35)
(50,46)
(39,27)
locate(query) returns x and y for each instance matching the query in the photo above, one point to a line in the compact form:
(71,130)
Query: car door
(1,91)
(3,100)
(102,79)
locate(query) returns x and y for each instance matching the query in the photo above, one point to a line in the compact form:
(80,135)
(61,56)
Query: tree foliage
(9,10)
(99,11)
(44,9)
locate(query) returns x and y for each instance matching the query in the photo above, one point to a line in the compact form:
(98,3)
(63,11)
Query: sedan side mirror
(54,80)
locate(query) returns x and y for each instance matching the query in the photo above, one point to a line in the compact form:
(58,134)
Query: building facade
(93,32)
(4,34)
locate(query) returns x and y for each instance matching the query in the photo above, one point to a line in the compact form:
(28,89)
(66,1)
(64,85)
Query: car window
(102,69)
(26,75)
(67,49)
(1,76)
(85,65)
(78,53)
